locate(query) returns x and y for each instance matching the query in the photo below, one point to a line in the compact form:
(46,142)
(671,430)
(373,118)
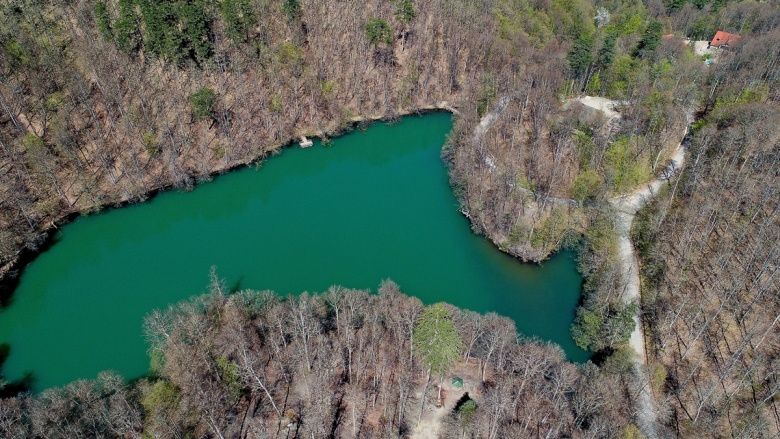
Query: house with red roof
(724,40)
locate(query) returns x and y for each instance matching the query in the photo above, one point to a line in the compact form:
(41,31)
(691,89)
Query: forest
(104,103)
(342,363)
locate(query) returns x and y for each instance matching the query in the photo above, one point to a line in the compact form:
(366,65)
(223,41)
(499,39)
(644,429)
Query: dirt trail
(430,423)
(626,207)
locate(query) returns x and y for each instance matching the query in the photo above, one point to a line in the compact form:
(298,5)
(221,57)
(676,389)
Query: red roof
(724,39)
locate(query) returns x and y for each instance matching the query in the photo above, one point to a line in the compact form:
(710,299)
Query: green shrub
(625,167)
(405,11)
(17,53)
(607,51)
(621,74)
(239,18)
(150,143)
(466,411)
(594,84)
(631,431)
(583,139)
(552,229)
(523,182)
(611,327)
(658,375)
(586,329)
(378,32)
(292,9)
(436,339)
(161,397)
(580,55)
(228,372)
(202,103)
(127,32)
(103,20)
(650,40)
(327,87)
(486,95)
(31,142)
(621,361)
(520,21)
(587,185)
(600,235)
(289,54)
(276,104)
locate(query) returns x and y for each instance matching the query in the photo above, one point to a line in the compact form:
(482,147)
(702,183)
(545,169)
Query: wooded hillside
(105,102)
(342,363)
(710,257)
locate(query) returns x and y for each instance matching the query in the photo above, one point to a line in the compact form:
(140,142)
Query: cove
(371,205)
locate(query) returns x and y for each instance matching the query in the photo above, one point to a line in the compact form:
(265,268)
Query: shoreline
(625,206)
(11,271)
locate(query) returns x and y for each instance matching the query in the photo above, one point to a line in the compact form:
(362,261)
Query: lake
(371,205)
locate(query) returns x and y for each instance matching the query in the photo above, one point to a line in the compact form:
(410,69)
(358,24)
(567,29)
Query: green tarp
(457,382)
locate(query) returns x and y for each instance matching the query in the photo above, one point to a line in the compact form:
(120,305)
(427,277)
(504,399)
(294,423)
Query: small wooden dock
(305,143)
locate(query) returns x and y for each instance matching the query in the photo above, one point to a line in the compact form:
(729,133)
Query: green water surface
(371,205)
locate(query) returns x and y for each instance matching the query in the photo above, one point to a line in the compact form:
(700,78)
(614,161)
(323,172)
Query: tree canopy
(436,341)
(378,31)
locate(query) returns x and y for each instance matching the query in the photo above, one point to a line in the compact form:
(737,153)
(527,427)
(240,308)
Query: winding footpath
(625,206)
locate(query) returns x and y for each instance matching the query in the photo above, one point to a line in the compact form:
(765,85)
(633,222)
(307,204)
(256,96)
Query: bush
(31,143)
(586,329)
(127,32)
(292,9)
(228,372)
(487,94)
(625,168)
(650,40)
(17,53)
(103,20)
(644,235)
(378,32)
(587,185)
(276,104)
(551,231)
(620,362)
(466,411)
(405,11)
(595,330)
(161,397)
(580,56)
(202,102)
(150,143)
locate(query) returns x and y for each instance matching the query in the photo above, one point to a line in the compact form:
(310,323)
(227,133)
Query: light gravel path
(626,206)
(606,106)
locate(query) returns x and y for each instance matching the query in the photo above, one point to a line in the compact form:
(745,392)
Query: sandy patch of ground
(430,423)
